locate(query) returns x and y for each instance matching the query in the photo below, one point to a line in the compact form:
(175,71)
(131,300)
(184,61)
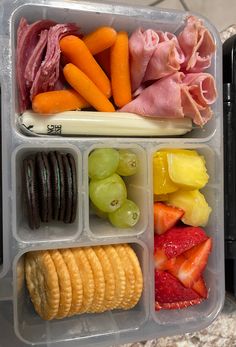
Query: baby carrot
(87,88)
(58,101)
(120,73)
(77,53)
(103,59)
(100,39)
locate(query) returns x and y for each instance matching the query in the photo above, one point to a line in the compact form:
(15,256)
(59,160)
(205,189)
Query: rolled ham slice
(142,44)
(161,99)
(197,44)
(166,59)
(177,96)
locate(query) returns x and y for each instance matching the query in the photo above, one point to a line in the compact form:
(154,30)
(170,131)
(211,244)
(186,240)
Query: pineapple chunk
(161,197)
(197,210)
(161,180)
(188,171)
(180,151)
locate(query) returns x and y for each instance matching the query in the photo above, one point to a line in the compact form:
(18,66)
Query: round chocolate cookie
(68,189)
(62,186)
(56,184)
(31,193)
(44,186)
(71,161)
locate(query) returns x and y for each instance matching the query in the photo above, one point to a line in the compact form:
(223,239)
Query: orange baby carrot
(120,73)
(103,59)
(87,88)
(77,53)
(100,39)
(58,101)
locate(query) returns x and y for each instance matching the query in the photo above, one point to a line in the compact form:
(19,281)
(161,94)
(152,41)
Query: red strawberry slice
(161,260)
(171,294)
(179,239)
(165,217)
(189,266)
(200,288)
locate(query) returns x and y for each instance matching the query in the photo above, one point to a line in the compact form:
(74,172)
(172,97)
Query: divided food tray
(114,327)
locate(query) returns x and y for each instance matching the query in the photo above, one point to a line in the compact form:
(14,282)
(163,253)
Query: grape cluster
(107,189)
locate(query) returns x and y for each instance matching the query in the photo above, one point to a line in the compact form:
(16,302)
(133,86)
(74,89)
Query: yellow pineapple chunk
(197,210)
(180,151)
(188,171)
(161,180)
(161,197)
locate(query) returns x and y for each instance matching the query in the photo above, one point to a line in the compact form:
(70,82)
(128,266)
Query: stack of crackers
(66,282)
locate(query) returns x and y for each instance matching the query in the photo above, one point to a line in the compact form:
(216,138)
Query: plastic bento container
(115,327)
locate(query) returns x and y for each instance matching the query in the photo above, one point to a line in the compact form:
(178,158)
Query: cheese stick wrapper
(76,123)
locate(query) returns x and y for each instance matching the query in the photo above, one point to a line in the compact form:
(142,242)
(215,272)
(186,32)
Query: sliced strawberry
(189,265)
(200,288)
(161,260)
(170,293)
(179,239)
(177,305)
(165,217)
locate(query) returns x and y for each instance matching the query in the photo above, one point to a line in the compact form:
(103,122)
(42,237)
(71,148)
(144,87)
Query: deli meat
(27,39)
(142,45)
(48,73)
(161,99)
(166,59)
(177,96)
(197,44)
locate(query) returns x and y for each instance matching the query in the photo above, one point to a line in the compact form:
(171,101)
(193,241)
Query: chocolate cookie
(71,161)
(62,186)
(68,189)
(44,186)
(56,184)
(31,193)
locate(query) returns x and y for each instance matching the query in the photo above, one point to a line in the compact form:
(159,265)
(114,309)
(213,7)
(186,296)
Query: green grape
(102,163)
(126,216)
(108,194)
(99,213)
(128,163)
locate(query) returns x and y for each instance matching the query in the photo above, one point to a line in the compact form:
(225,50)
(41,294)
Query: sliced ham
(161,99)
(197,44)
(202,87)
(142,44)
(48,73)
(164,61)
(27,39)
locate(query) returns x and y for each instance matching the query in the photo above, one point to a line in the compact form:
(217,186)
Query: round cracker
(86,277)
(99,281)
(42,282)
(120,280)
(129,275)
(76,281)
(64,284)
(138,276)
(109,278)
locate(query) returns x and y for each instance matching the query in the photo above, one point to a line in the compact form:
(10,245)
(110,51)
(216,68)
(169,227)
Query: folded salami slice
(197,44)
(27,39)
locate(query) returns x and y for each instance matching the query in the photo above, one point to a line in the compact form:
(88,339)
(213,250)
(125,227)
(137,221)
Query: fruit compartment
(88,17)
(31,329)
(209,308)
(54,230)
(137,191)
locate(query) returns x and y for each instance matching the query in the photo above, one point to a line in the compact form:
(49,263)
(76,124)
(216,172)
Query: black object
(229,94)
(1,229)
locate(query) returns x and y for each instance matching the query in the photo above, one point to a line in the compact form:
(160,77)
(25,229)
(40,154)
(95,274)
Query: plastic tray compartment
(48,232)
(213,272)
(117,327)
(30,328)
(137,189)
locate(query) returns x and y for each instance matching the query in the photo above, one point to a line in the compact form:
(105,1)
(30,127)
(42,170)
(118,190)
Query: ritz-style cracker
(42,282)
